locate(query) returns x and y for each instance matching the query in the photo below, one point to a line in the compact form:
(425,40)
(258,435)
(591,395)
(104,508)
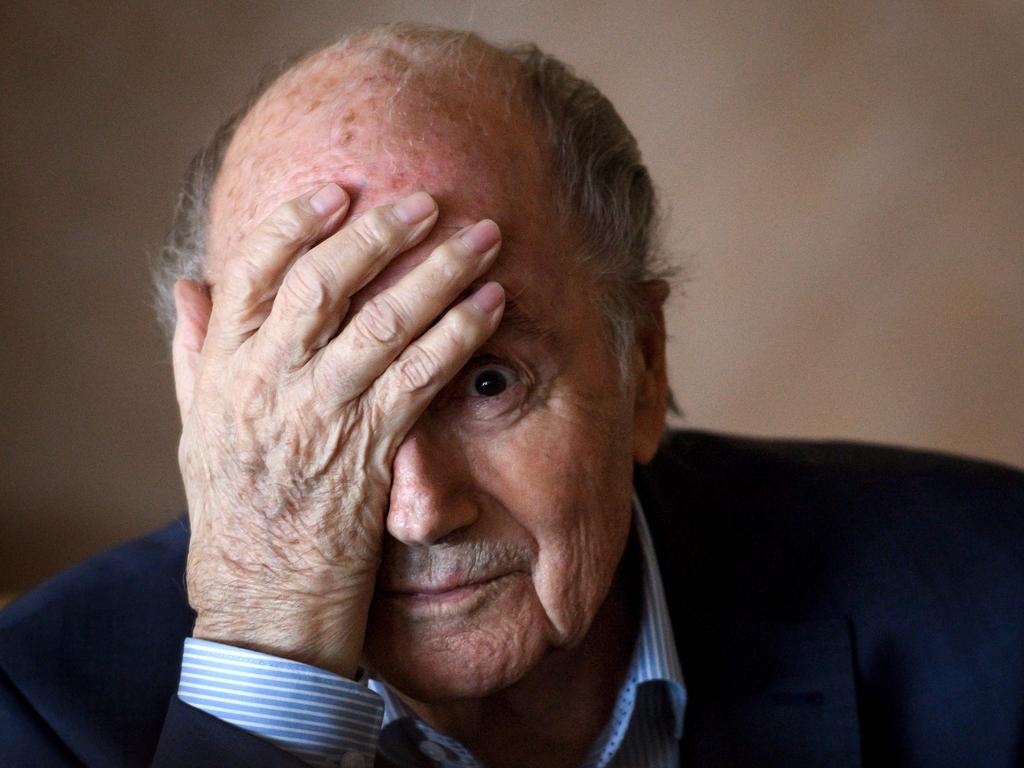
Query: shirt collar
(655,657)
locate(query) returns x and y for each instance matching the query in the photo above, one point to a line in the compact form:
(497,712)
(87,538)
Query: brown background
(845,180)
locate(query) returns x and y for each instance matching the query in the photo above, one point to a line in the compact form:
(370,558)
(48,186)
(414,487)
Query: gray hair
(607,189)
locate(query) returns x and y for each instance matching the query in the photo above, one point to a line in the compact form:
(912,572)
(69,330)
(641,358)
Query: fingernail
(482,236)
(488,297)
(328,199)
(414,208)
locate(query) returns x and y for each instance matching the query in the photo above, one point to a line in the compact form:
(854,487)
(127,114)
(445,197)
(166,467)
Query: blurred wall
(844,180)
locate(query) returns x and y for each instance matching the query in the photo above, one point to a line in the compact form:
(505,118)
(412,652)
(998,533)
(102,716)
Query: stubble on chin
(459,657)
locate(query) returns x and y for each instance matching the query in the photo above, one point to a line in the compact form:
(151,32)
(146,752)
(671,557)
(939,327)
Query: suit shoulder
(149,567)
(94,652)
(835,521)
(836,475)
(711,448)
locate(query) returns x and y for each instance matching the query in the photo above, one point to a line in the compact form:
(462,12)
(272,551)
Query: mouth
(449,586)
(451,593)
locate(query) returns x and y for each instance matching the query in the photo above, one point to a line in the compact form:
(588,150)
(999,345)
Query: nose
(431,497)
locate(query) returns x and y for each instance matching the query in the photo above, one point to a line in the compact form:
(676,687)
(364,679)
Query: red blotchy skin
(380,135)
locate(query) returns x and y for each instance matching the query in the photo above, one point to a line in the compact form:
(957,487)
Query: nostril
(431,492)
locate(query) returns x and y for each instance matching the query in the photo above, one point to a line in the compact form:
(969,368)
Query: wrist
(329,639)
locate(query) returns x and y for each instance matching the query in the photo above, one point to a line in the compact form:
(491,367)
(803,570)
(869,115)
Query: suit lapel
(767,685)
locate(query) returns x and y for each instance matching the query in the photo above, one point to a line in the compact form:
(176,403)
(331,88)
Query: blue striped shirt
(327,720)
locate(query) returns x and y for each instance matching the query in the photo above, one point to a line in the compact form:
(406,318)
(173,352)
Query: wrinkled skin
(446,502)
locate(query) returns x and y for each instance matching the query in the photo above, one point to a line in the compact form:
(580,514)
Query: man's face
(510,503)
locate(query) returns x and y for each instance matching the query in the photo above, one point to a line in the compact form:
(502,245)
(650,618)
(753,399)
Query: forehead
(383,125)
(382,131)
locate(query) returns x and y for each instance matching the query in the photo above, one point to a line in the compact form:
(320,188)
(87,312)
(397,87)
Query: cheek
(566,478)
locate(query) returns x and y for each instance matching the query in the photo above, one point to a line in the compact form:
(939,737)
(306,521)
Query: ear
(650,377)
(192,306)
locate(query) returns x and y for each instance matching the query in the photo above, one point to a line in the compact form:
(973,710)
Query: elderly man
(433,518)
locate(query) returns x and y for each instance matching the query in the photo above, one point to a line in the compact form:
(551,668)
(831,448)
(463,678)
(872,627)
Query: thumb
(192,306)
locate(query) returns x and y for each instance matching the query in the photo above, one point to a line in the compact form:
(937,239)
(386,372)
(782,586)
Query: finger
(388,322)
(405,390)
(315,293)
(252,274)
(192,307)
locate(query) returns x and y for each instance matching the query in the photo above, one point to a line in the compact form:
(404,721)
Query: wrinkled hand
(289,426)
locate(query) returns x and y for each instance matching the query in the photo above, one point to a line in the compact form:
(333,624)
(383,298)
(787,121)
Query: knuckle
(253,395)
(450,262)
(288,223)
(371,231)
(456,335)
(330,383)
(417,370)
(243,276)
(458,331)
(307,286)
(446,272)
(382,320)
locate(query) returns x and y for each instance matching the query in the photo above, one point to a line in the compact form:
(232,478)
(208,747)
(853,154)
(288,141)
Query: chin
(439,678)
(472,668)
(454,655)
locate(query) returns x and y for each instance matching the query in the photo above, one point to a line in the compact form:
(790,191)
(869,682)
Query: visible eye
(490,381)
(488,391)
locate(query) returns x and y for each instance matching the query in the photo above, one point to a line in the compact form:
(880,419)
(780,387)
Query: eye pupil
(489,383)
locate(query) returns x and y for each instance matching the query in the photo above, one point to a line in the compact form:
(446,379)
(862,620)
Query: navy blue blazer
(834,605)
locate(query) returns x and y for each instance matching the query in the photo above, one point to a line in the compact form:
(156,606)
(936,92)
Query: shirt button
(353,760)
(433,750)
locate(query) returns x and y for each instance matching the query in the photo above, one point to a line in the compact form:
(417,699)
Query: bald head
(384,116)
(398,107)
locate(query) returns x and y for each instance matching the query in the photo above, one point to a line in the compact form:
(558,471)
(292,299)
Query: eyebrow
(515,318)
(518,320)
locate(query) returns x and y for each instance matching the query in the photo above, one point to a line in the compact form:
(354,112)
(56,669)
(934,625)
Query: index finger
(252,274)
(315,293)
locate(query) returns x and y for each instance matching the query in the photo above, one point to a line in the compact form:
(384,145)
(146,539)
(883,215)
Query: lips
(455,597)
(449,586)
